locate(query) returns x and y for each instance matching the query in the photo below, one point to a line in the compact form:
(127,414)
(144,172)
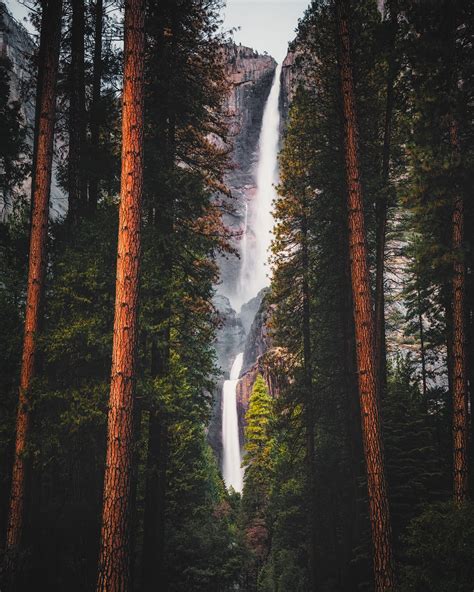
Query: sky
(264,25)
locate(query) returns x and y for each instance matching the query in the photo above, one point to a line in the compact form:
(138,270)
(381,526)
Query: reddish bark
(364,324)
(41,186)
(114,554)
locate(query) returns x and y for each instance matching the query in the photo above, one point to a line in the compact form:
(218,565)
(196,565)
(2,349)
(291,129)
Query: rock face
(292,75)
(230,337)
(258,339)
(289,78)
(250,75)
(249,310)
(17,44)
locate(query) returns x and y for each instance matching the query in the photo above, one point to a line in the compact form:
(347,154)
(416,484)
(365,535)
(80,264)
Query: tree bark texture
(95,105)
(364,324)
(77,115)
(46,110)
(459,350)
(114,553)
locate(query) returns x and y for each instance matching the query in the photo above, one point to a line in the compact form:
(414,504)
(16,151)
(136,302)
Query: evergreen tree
(114,553)
(46,98)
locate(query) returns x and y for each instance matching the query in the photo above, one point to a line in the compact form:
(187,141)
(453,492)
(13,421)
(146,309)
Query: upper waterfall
(258,232)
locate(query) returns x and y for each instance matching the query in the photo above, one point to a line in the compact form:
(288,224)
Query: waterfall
(254,271)
(231,469)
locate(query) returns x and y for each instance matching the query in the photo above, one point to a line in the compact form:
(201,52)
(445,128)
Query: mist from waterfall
(231,465)
(258,232)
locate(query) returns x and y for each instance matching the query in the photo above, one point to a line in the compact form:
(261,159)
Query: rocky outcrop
(292,74)
(17,44)
(250,309)
(230,336)
(258,339)
(273,365)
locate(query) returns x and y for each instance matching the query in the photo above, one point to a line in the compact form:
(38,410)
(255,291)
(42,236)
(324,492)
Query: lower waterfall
(231,469)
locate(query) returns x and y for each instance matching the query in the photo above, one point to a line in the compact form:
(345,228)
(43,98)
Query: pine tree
(364,323)
(77,185)
(114,554)
(44,136)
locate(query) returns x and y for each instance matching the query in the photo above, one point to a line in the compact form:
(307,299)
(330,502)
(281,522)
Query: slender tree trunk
(46,99)
(95,105)
(459,360)
(364,325)
(77,115)
(114,553)
(422,348)
(309,401)
(381,214)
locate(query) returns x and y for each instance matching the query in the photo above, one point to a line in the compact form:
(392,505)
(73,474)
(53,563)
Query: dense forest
(357,431)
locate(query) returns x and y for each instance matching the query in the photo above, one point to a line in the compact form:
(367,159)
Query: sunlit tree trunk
(114,552)
(459,359)
(364,324)
(77,115)
(95,104)
(41,186)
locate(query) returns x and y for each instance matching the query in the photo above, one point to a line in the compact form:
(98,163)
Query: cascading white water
(254,271)
(231,466)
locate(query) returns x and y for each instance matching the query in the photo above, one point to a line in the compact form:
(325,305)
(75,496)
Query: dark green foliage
(439,552)
(415,472)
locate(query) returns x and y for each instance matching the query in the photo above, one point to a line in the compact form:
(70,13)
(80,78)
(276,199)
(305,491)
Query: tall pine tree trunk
(364,324)
(77,115)
(382,211)
(41,186)
(95,105)
(114,553)
(459,359)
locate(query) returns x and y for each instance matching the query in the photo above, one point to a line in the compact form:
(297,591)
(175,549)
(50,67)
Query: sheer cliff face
(250,75)
(17,44)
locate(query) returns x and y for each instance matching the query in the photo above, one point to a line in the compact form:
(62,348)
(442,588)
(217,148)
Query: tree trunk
(309,401)
(95,106)
(77,116)
(422,348)
(364,325)
(114,553)
(44,137)
(459,365)
(381,214)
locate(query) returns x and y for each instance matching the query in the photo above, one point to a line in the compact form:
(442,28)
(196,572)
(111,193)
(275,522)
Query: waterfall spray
(254,271)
